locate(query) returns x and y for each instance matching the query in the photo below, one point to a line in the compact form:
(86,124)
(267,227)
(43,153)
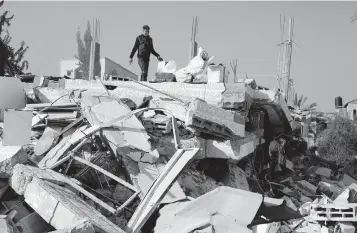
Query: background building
(109,70)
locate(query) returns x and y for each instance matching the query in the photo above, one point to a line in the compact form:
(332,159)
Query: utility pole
(193,43)
(94,46)
(286,83)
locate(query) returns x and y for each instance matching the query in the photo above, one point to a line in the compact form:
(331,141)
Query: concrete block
(214,120)
(9,157)
(62,208)
(230,149)
(344,228)
(238,96)
(164,77)
(17,128)
(334,212)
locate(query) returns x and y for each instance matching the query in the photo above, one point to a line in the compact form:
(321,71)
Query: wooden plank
(160,187)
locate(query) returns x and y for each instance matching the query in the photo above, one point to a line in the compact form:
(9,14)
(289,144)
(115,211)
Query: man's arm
(153,50)
(135,48)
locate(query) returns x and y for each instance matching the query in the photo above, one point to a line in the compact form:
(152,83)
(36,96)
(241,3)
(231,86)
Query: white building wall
(68,66)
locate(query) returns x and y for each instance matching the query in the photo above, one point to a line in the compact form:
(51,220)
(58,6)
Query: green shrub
(338,143)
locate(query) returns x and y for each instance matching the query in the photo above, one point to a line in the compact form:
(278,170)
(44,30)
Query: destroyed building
(191,151)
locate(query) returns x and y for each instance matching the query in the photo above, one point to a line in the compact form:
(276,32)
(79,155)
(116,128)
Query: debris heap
(81,156)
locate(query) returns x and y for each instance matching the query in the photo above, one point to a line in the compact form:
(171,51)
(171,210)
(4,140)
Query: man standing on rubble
(144,45)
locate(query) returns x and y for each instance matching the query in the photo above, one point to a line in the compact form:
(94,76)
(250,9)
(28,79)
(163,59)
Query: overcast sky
(323,66)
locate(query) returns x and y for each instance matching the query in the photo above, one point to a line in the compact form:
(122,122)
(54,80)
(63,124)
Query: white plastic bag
(195,69)
(166,67)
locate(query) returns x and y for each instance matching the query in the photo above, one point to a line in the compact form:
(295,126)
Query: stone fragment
(9,157)
(323,171)
(62,208)
(214,120)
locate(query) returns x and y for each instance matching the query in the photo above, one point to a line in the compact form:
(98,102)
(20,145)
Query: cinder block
(209,118)
(238,96)
(334,212)
(62,208)
(164,77)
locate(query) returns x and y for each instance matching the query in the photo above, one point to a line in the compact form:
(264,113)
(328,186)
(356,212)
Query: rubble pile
(133,157)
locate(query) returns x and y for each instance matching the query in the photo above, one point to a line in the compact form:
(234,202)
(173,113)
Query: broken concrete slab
(148,174)
(160,187)
(218,121)
(210,92)
(62,208)
(217,207)
(9,157)
(22,175)
(132,135)
(17,128)
(45,142)
(230,149)
(177,109)
(233,95)
(63,146)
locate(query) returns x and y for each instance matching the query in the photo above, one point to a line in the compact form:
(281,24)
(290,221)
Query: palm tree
(299,103)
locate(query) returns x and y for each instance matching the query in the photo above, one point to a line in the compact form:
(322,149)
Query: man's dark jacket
(145,47)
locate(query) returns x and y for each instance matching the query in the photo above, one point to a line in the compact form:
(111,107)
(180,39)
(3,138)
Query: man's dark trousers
(144,66)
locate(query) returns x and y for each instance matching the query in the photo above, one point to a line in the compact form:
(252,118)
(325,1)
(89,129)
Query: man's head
(146,30)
